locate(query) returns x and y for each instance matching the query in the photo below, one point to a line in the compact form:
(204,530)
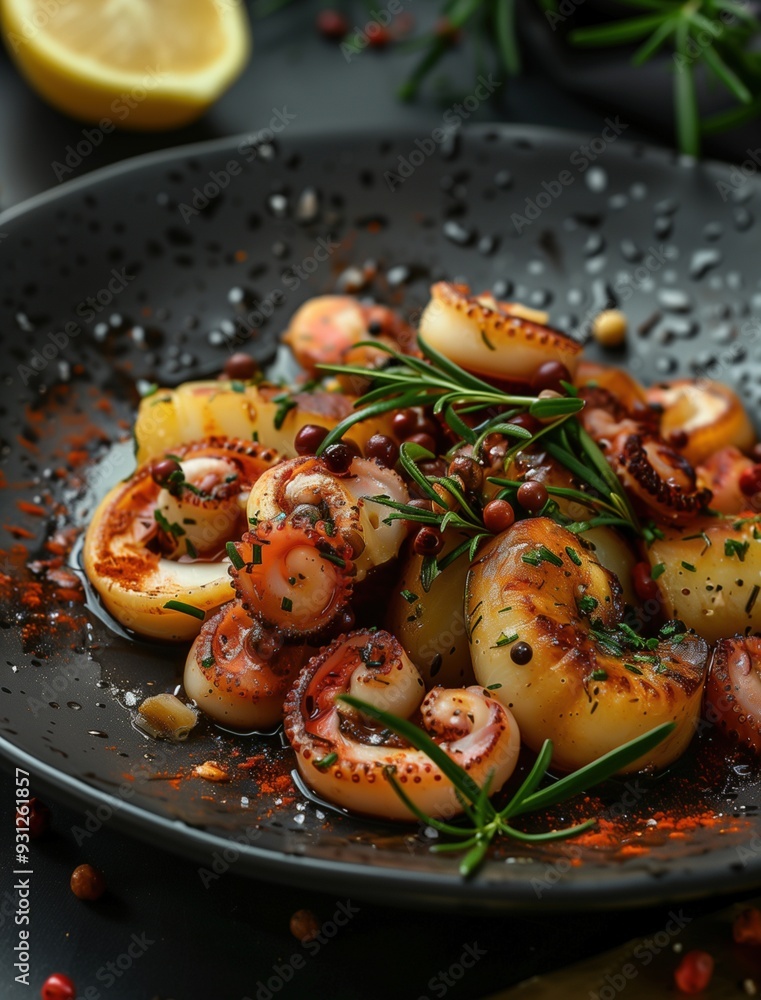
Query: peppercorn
(58,987)
(241,367)
(521,653)
(309,438)
(304,925)
(332,24)
(424,440)
(526,421)
(428,541)
(694,972)
(404,423)
(378,36)
(469,472)
(609,328)
(338,457)
(550,375)
(163,470)
(383,449)
(87,883)
(498,516)
(532,496)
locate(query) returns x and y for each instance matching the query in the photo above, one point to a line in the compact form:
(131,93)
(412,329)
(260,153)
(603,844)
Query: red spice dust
(31,508)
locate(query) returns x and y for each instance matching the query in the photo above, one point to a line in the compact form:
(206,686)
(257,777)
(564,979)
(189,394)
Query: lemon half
(141,64)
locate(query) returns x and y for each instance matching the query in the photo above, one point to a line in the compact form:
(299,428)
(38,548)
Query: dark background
(219,942)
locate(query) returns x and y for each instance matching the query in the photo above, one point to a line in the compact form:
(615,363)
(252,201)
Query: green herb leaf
(186,609)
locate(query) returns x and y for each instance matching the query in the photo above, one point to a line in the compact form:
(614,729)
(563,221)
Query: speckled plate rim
(635,886)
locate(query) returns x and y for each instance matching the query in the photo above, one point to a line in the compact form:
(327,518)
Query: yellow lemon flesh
(140,64)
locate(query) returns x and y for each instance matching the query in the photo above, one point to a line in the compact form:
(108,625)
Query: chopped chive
(256,555)
(186,609)
(332,557)
(237,386)
(487,341)
(541,554)
(689,567)
(734,548)
(505,640)
(326,762)
(752,599)
(234,556)
(599,675)
(478,622)
(573,555)
(191,549)
(409,597)
(587,604)
(658,570)
(174,529)
(502,610)
(286,604)
(632,668)
(208,661)
(493,687)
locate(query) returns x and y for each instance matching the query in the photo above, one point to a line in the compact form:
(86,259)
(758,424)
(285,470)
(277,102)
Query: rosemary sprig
(438,383)
(714,35)
(486,823)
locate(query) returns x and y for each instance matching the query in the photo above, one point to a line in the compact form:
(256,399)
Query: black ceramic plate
(151,270)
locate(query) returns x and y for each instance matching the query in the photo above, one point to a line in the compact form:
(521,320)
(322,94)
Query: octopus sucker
(552,631)
(307,487)
(484,335)
(151,543)
(654,472)
(733,690)
(231,681)
(294,577)
(332,743)
(706,416)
